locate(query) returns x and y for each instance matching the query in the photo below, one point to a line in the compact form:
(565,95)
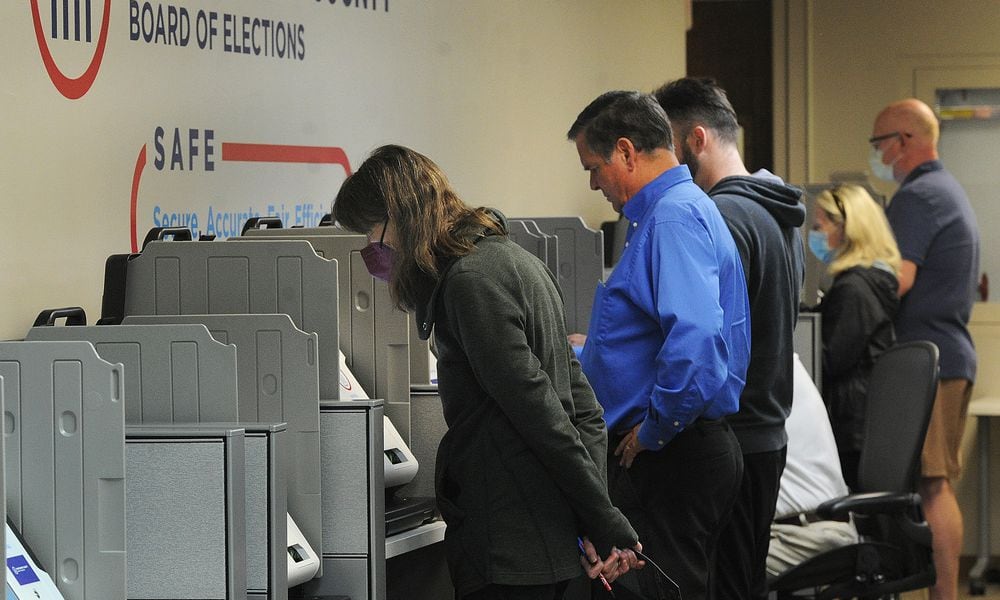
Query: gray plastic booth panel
(581,266)
(266,507)
(64,453)
(277,376)
(808,343)
(180,373)
(526,234)
(186,512)
(266,524)
(550,241)
(173,373)
(427,428)
(374,334)
(353,501)
(420,353)
(265,277)
(620,233)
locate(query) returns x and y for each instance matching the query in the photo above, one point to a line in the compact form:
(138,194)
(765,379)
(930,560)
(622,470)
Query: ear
(699,139)
(627,150)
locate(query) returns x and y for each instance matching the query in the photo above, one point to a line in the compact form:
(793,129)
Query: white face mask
(879,169)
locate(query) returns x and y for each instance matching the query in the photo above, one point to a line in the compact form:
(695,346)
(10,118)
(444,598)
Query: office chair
(894,551)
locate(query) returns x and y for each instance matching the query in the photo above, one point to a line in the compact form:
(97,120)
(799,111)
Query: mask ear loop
(838,203)
(381,238)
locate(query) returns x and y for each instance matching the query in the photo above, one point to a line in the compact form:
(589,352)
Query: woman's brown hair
(431,223)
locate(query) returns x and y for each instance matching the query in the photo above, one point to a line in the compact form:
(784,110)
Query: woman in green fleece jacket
(520,474)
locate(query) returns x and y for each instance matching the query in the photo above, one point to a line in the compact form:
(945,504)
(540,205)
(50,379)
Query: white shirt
(812,467)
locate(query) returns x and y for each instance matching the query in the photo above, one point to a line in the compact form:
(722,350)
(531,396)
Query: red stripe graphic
(140,164)
(71,88)
(245,153)
(233,151)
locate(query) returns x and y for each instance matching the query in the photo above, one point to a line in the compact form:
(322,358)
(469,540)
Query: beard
(688,158)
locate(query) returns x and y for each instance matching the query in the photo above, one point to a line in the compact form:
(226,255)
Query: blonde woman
(851,235)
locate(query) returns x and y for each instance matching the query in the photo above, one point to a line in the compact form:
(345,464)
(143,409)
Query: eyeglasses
(876,141)
(839,203)
(381,238)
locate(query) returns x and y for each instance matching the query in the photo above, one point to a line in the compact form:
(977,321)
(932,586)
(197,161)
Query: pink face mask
(379,259)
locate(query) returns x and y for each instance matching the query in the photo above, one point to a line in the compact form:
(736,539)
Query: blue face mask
(880,169)
(819,246)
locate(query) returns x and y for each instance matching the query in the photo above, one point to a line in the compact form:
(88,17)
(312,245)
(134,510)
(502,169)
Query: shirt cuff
(654,436)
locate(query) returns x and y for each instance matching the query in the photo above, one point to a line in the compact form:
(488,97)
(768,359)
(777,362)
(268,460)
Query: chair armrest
(870,503)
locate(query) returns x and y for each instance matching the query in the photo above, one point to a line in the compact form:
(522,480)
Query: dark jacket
(764,214)
(858,311)
(521,471)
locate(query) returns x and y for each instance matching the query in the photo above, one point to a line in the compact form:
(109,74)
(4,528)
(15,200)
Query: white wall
(487,89)
(962,149)
(847,59)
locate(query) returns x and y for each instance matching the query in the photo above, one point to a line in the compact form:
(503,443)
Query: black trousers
(741,561)
(678,500)
(552,591)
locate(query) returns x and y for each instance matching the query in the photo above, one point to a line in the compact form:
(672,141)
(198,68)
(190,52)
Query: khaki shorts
(944,434)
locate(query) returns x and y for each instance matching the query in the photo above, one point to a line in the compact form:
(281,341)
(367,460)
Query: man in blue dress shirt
(669,340)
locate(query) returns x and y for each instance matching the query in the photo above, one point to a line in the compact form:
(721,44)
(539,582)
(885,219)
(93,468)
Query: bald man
(939,242)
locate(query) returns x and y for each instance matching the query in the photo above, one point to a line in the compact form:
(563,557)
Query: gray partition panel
(173,373)
(266,507)
(528,237)
(340,248)
(278,382)
(420,354)
(65,462)
(620,233)
(265,277)
(279,232)
(581,266)
(808,343)
(427,427)
(186,512)
(374,334)
(266,524)
(551,244)
(353,501)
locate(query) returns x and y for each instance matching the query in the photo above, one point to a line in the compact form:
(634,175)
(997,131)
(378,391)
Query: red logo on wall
(71,21)
(241,152)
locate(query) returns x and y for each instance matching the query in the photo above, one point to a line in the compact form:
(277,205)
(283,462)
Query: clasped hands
(617,563)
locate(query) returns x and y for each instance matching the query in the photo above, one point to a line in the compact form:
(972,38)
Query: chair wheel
(977,588)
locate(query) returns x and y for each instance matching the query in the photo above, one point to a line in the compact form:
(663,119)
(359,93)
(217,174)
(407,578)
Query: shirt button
(626,244)
(660,442)
(677,423)
(635,223)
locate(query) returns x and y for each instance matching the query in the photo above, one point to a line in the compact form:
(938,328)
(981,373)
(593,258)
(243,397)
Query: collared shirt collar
(927,167)
(637,205)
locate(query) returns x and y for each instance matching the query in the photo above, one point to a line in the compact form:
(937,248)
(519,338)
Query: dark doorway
(730,41)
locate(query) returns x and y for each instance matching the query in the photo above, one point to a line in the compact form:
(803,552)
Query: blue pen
(583,553)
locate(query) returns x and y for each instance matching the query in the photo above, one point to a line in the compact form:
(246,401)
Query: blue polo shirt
(936,230)
(669,337)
